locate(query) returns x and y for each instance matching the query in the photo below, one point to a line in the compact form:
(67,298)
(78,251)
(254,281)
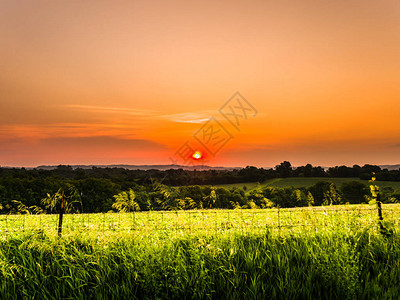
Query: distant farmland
(298,182)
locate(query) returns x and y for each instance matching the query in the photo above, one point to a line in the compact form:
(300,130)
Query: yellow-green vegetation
(298,182)
(292,220)
(333,252)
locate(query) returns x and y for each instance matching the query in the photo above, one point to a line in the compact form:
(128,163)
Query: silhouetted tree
(284,169)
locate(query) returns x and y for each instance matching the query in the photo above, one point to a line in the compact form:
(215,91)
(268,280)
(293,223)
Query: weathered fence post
(380,216)
(60,216)
(378,201)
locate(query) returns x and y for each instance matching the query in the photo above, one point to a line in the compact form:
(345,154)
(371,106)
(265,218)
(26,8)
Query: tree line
(97,189)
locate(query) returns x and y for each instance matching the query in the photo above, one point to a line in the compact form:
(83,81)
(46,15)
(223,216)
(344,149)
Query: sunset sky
(131,82)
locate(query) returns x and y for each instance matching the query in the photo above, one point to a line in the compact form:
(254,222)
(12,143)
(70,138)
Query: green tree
(310,199)
(125,202)
(71,197)
(332,196)
(319,191)
(210,200)
(284,169)
(354,192)
(64,202)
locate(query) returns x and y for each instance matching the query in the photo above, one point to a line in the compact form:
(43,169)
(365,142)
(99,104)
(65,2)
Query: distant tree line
(181,189)
(177,177)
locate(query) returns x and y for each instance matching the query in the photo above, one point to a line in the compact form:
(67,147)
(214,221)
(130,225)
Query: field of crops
(334,252)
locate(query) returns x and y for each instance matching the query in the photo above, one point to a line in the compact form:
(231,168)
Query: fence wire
(146,222)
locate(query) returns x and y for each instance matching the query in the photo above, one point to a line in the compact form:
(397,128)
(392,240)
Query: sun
(197,155)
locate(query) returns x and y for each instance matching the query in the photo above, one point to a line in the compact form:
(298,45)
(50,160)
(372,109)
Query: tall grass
(329,264)
(347,217)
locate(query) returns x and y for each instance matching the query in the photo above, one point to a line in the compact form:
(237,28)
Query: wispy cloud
(105,142)
(109,109)
(187,117)
(199,117)
(35,131)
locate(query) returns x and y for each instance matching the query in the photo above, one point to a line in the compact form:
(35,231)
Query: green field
(201,221)
(334,252)
(298,182)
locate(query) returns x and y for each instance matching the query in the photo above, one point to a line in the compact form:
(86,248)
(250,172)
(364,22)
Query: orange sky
(106,82)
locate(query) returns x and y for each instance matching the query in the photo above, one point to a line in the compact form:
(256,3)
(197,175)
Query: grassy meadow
(298,182)
(334,252)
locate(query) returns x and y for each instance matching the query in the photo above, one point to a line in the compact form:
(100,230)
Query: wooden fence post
(380,216)
(60,216)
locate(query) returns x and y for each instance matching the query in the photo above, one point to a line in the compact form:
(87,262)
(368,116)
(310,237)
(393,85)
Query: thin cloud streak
(186,117)
(108,109)
(190,117)
(35,131)
(103,141)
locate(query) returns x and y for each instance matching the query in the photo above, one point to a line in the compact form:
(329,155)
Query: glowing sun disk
(197,155)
